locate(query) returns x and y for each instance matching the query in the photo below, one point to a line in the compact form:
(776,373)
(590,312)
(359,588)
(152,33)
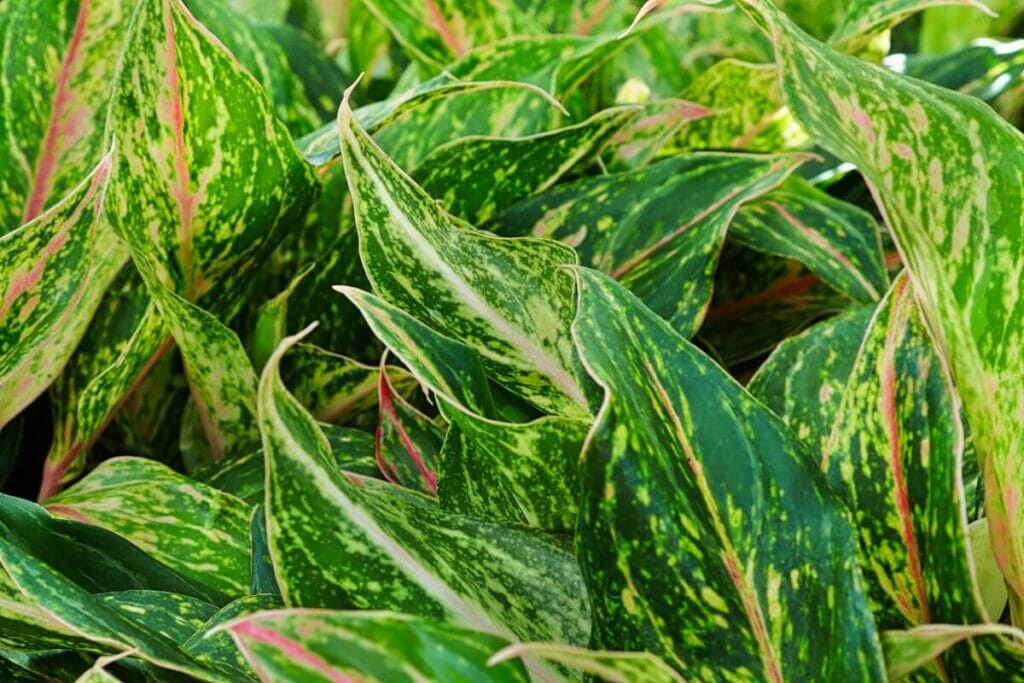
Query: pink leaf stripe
(246,633)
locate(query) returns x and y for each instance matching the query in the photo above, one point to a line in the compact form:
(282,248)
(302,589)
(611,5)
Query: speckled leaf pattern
(914,142)
(659,229)
(656,126)
(58,61)
(171,615)
(865,19)
(682,474)
(804,379)
(475,178)
(212,646)
(407,442)
(322,146)
(336,545)
(197,530)
(443,273)
(53,272)
(895,457)
(612,667)
(488,467)
(202,187)
(838,241)
(748,111)
(320,646)
(908,651)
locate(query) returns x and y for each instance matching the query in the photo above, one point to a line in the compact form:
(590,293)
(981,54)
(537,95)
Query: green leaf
(984,71)
(53,271)
(347,546)
(839,242)
(805,378)
(658,230)
(907,651)
(261,568)
(195,529)
(865,19)
(321,146)
(172,615)
(914,142)
(407,442)
(683,474)
(300,646)
(58,59)
(488,467)
(477,177)
(658,124)
(214,647)
(521,330)
(614,667)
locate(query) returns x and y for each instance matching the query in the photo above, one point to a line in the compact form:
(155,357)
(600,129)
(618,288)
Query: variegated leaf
(321,146)
(53,271)
(477,177)
(683,474)
(300,646)
(407,442)
(838,241)
(865,19)
(58,61)
(417,257)
(197,530)
(658,124)
(213,647)
(749,113)
(658,230)
(613,667)
(347,546)
(985,71)
(521,472)
(914,142)
(211,138)
(172,615)
(804,379)
(907,651)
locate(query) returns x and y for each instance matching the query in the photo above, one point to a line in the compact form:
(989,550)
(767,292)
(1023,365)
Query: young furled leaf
(683,474)
(344,546)
(417,257)
(197,530)
(914,142)
(659,229)
(300,646)
(53,272)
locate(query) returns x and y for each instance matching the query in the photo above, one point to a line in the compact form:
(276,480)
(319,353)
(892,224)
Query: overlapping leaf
(684,473)
(913,143)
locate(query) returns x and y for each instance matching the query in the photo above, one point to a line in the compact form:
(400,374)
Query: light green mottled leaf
(172,615)
(407,442)
(488,467)
(272,321)
(914,142)
(419,259)
(749,113)
(58,61)
(53,271)
(865,19)
(613,667)
(684,474)
(804,379)
(343,545)
(197,530)
(212,646)
(319,646)
(907,651)
(477,177)
(321,146)
(658,230)
(839,242)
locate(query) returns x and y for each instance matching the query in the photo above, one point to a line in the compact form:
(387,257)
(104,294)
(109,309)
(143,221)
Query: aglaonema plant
(511,341)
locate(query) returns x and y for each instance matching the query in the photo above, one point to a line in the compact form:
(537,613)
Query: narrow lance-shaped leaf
(407,442)
(907,651)
(53,272)
(197,530)
(612,667)
(418,258)
(58,61)
(212,646)
(683,474)
(172,615)
(914,142)
(488,467)
(477,177)
(300,646)
(389,552)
